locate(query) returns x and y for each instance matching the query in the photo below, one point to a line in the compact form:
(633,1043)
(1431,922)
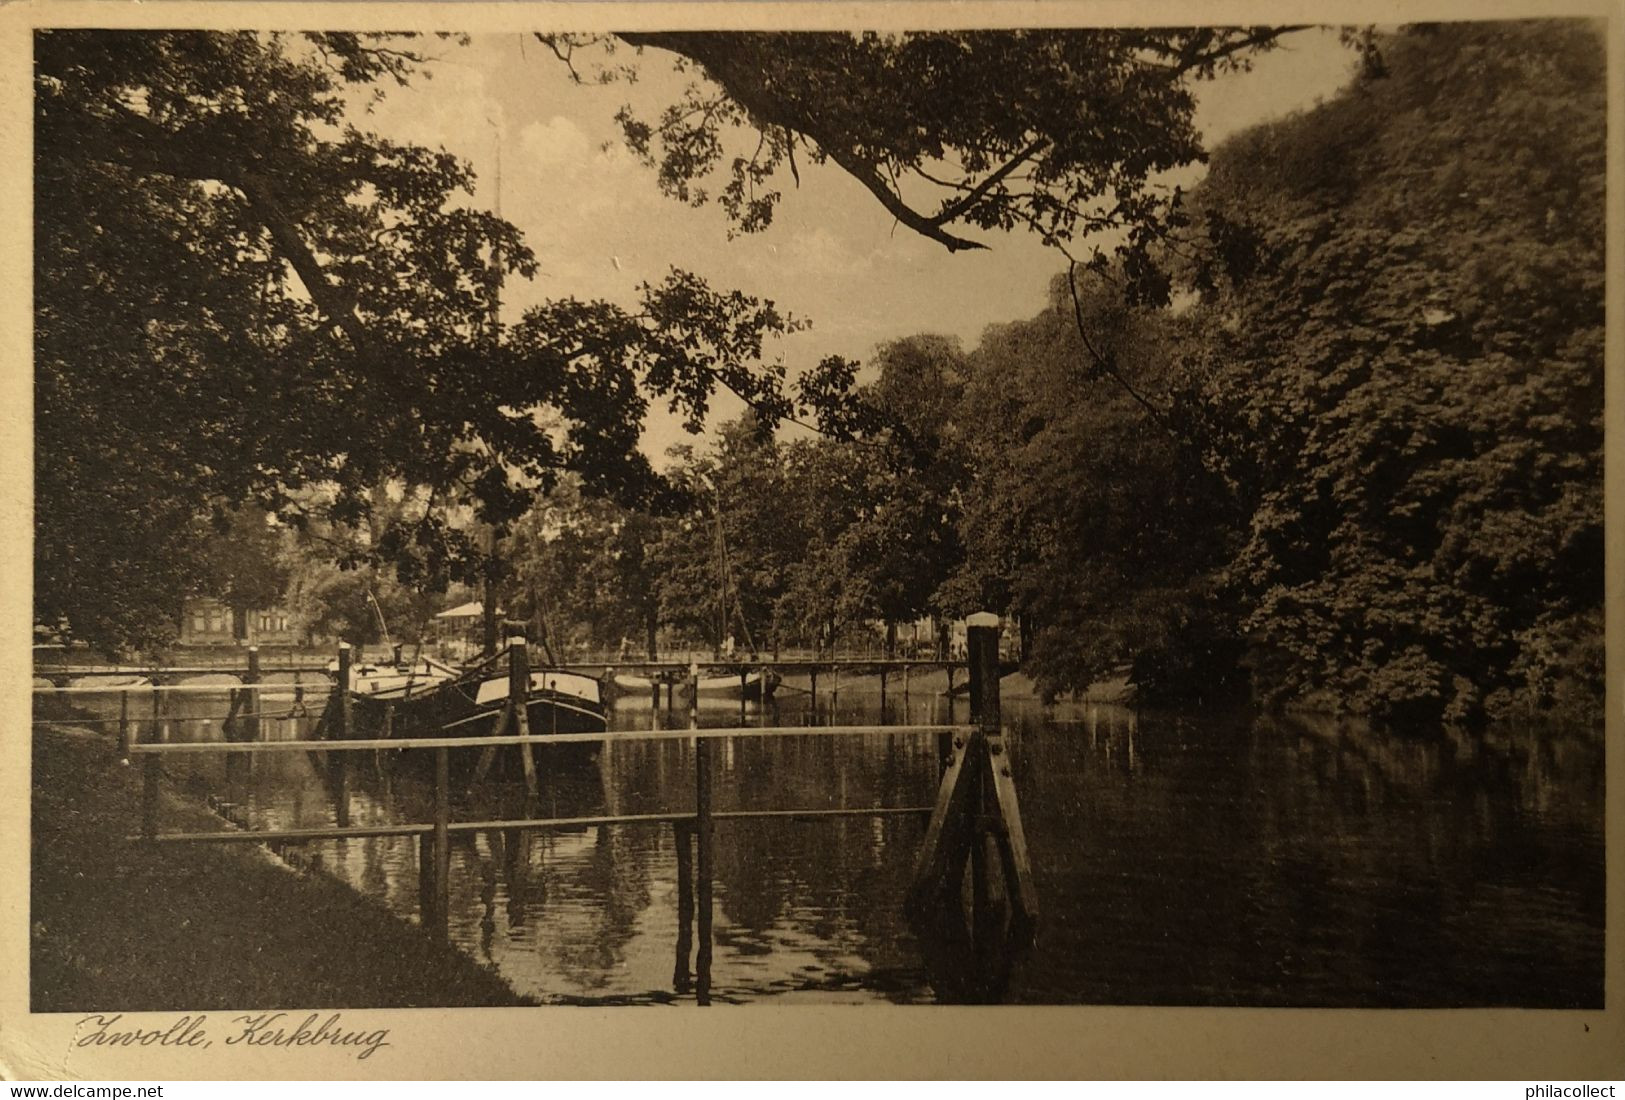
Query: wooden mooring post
(683,838)
(519,701)
(703,836)
(338,772)
(251,728)
(434,854)
(977,822)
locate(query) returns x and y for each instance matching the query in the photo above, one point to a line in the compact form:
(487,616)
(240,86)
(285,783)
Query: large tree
(1086,513)
(724,561)
(582,571)
(904,542)
(239,295)
(1404,374)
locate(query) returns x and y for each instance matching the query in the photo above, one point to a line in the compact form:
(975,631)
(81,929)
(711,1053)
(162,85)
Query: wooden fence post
(703,863)
(149,787)
(442,841)
(124,724)
(337,765)
(683,836)
(150,767)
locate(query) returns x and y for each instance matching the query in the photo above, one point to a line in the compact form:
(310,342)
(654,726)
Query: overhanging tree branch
(138,143)
(976,193)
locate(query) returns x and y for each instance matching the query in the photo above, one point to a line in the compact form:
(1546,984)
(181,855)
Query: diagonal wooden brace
(948,838)
(1013,845)
(488,754)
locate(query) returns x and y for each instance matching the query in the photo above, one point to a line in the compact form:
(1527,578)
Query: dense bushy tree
(1406,373)
(246,561)
(1086,516)
(827,492)
(907,544)
(581,570)
(364,606)
(724,559)
(239,295)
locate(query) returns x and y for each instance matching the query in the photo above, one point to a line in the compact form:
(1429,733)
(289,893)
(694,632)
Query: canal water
(1181,858)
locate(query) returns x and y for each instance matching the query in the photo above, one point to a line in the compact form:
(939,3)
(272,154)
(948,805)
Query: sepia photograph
(695,516)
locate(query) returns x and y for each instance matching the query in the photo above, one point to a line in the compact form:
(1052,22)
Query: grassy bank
(124,926)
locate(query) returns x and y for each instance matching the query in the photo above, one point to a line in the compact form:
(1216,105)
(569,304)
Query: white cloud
(557,143)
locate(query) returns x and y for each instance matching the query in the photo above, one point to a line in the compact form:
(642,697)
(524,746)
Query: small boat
(633,684)
(399,681)
(728,686)
(719,687)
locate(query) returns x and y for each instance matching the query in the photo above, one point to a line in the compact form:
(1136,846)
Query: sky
(833,257)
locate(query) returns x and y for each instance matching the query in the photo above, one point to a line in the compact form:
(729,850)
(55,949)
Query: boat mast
(722,576)
(725,573)
(489,610)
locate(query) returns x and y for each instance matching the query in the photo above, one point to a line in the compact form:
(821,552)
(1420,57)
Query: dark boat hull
(470,708)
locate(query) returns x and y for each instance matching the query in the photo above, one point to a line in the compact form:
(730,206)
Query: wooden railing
(974,825)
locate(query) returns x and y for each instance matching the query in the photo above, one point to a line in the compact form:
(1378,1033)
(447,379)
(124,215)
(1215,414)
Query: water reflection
(1180,858)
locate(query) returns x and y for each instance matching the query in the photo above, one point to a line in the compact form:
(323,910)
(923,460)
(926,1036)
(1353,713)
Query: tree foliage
(582,571)
(724,560)
(1056,131)
(1407,373)
(239,296)
(1085,517)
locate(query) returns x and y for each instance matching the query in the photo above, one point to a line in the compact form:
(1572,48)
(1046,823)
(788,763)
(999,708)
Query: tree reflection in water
(1181,858)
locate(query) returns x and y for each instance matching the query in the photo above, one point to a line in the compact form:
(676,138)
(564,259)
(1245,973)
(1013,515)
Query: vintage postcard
(865,539)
